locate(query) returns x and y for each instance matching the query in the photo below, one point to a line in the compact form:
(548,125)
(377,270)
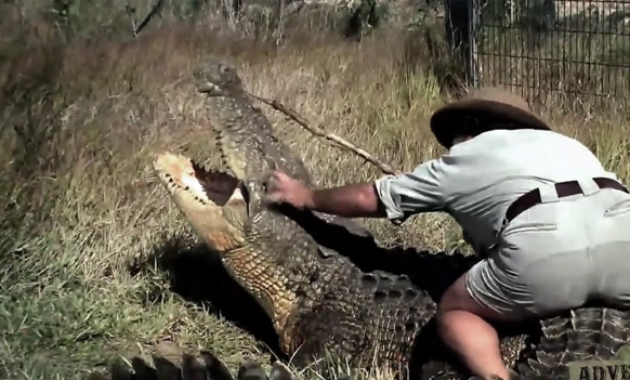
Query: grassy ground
(88,269)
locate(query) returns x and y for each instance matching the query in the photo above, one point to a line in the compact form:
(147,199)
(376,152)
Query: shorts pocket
(620,208)
(523,234)
(528,227)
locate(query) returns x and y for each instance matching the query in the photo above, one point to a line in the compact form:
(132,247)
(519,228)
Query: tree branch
(384,167)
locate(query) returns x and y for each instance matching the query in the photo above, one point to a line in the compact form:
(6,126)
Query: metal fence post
(473,61)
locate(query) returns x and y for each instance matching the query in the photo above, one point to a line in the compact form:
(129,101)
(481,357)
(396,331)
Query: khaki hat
(491,106)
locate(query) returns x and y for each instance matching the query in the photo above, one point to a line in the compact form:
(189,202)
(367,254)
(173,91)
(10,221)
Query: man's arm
(351,201)
(393,197)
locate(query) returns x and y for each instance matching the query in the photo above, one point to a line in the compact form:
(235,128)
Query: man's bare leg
(465,332)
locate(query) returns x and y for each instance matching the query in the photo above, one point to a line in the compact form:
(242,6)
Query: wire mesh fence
(570,48)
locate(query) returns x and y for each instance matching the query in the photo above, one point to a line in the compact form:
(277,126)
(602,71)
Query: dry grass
(85,227)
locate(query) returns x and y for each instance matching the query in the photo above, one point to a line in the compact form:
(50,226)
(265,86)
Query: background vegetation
(91,249)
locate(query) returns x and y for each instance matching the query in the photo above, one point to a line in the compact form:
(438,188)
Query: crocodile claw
(205,366)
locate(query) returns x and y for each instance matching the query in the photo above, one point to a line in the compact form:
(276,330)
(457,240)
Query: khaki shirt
(478,179)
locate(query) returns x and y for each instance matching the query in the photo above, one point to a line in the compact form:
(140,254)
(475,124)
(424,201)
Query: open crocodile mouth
(208,187)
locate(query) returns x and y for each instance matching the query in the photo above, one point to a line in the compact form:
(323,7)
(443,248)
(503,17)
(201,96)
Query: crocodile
(316,297)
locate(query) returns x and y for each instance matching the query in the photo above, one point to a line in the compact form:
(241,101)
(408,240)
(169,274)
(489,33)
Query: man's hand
(283,189)
(351,201)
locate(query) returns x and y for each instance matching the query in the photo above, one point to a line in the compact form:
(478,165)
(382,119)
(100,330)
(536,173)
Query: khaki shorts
(558,255)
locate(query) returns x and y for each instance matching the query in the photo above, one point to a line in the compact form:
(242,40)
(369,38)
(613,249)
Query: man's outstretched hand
(283,189)
(350,201)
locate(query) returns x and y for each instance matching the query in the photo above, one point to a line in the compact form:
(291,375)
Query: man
(550,218)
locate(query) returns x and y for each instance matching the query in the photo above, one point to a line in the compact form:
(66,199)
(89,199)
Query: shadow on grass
(197,275)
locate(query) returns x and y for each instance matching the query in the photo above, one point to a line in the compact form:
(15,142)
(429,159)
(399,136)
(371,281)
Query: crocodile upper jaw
(215,203)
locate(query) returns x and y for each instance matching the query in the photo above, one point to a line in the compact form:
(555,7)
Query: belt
(564,189)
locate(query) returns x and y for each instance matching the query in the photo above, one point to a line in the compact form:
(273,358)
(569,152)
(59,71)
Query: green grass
(96,262)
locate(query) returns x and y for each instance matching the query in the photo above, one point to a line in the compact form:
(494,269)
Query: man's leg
(463,327)
(511,286)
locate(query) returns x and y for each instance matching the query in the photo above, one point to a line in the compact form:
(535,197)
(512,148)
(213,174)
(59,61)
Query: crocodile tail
(593,334)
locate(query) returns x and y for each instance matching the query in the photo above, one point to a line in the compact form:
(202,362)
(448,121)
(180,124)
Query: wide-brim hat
(494,107)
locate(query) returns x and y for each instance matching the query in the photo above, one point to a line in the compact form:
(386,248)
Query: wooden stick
(384,167)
